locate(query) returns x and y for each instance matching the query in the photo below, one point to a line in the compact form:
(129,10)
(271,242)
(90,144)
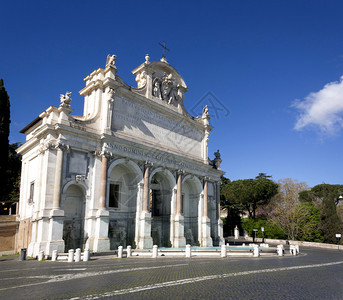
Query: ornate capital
(61,146)
(80,178)
(180,172)
(148,164)
(105,153)
(206,178)
(44,146)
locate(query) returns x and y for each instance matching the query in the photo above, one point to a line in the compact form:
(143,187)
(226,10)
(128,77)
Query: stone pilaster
(146,196)
(103,181)
(101,240)
(220,222)
(179,240)
(206,240)
(145,239)
(56,218)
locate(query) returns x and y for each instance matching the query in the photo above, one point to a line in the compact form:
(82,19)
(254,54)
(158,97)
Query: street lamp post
(338,236)
(254,236)
(262,229)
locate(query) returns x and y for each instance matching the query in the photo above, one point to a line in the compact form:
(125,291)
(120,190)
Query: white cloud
(322,109)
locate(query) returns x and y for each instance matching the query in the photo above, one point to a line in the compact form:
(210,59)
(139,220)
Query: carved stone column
(146,191)
(179,240)
(55,233)
(220,222)
(101,240)
(204,208)
(103,180)
(179,191)
(206,240)
(58,175)
(139,201)
(145,239)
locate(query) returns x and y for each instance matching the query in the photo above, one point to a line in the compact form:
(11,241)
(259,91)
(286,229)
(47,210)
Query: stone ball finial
(147,57)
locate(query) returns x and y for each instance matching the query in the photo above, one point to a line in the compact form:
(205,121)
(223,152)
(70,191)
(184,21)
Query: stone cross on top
(164,49)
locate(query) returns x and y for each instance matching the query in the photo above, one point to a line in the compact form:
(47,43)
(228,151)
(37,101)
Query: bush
(270,231)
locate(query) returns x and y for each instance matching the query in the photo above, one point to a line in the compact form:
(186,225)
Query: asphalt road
(314,274)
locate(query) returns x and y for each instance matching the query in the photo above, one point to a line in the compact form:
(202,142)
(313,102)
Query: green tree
(309,225)
(329,220)
(271,231)
(326,197)
(285,211)
(318,192)
(248,194)
(4,133)
(13,173)
(263,175)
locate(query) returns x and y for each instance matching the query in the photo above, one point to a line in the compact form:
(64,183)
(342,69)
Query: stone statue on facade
(110,93)
(156,87)
(65,99)
(111,60)
(141,79)
(205,113)
(217,160)
(169,90)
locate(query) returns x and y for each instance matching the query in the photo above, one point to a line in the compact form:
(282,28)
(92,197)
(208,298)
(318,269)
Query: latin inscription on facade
(150,126)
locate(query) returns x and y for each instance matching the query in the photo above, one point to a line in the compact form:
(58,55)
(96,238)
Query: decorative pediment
(158,80)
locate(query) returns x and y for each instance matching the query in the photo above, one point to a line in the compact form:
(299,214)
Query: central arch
(124,177)
(162,183)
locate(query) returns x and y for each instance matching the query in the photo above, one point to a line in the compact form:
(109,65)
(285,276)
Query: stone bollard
(297,248)
(86,255)
(120,252)
(228,244)
(279,250)
(78,255)
(128,251)
(188,251)
(71,255)
(223,252)
(40,255)
(294,249)
(291,248)
(243,244)
(54,255)
(154,251)
(256,251)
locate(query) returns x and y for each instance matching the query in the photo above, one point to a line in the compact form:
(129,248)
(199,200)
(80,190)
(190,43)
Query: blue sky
(276,66)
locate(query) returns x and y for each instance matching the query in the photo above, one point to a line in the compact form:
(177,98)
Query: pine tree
(4,133)
(329,220)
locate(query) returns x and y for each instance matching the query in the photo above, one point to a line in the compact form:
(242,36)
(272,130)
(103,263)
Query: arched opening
(73,225)
(122,202)
(160,208)
(191,190)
